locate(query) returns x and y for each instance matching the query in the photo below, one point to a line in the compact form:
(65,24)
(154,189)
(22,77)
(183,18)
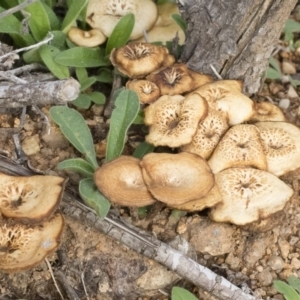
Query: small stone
(265,278)
(30,145)
(293,240)
(295,263)
(284,247)
(181,227)
(291,92)
(276,263)
(288,68)
(55,139)
(233,261)
(259,268)
(284,103)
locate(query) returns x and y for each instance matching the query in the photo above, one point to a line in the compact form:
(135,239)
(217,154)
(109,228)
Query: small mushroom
(249,195)
(91,38)
(199,79)
(105,14)
(266,111)
(208,134)
(137,60)
(281,144)
(176,178)
(241,146)
(173,120)
(226,96)
(147,91)
(165,29)
(30,199)
(172,80)
(121,181)
(25,246)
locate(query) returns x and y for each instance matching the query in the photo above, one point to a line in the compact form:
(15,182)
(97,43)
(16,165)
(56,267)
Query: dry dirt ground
(90,265)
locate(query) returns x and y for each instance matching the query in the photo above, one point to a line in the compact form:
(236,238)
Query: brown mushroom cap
(266,111)
(30,199)
(137,60)
(249,195)
(23,246)
(281,144)
(173,120)
(172,80)
(147,91)
(176,178)
(91,38)
(105,14)
(200,79)
(241,146)
(208,134)
(121,181)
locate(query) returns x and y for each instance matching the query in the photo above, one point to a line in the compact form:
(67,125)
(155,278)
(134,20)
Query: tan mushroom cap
(105,14)
(30,199)
(173,120)
(176,178)
(25,246)
(137,60)
(212,198)
(241,146)
(266,111)
(208,134)
(91,38)
(200,79)
(172,80)
(121,181)
(165,28)
(249,195)
(226,96)
(147,91)
(281,144)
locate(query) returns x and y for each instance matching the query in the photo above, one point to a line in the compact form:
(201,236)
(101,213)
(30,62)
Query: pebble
(284,247)
(288,68)
(295,263)
(276,263)
(265,278)
(284,103)
(30,145)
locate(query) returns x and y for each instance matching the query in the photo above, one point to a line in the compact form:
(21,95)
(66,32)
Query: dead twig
(16,8)
(71,294)
(53,278)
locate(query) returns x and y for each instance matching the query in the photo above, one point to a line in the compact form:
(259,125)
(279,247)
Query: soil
(90,265)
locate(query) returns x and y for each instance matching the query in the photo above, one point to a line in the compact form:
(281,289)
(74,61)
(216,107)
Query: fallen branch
(142,242)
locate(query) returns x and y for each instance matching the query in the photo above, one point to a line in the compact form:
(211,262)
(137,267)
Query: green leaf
(72,14)
(81,74)
(291,26)
(294,82)
(82,101)
(182,294)
(294,282)
(10,24)
(104,75)
(273,62)
(81,57)
(98,98)
(59,40)
(48,53)
(53,19)
(288,292)
(73,126)
(121,33)
(93,198)
(87,82)
(139,118)
(78,165)
(272,74)
(180,22)
(32,56)
(142,149)
(127,105)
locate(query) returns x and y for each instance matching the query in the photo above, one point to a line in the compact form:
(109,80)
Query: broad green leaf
(139,119)
(127,106)
(72,14)
(81,57)
(294,282)
(9,3)
(53,19)
(93,198)
(288,292)
(104,75)
(294,82)
(291,26)
(142,149)
(121,33)
(48,53)
(10,24)
(32,56)
(51,3)
(272,74)
(82,101)
(74,127)
(81,74)
(274,64)
(180,22)
(59,40)
(78,165)
(87,82)
(98,98)
(182,294)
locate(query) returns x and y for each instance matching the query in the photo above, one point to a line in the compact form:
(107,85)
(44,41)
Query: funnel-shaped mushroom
(281,144)
(249,195)
(176,178)
(147,91)
(23,246)
(105,14)
(226,96)
(121,181)
(137,60)
(241,146)
(91,38)
(208,134)
(173,120)
(30,199)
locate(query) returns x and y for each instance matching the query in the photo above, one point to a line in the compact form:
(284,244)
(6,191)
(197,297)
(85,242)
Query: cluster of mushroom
(222,163)
(29,227)
(103,15)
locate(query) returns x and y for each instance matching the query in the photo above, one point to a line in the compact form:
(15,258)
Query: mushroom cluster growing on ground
(29,227)
(229,151)
(103,15)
